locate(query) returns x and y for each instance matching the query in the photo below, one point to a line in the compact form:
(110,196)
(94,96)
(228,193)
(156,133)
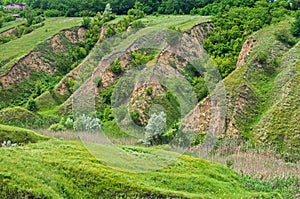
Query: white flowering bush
(8,144)
(85,123)
(155,127)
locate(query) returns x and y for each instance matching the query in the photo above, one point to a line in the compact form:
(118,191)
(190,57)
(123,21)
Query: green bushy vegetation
(295,28)
(19,135)
(4,18)
(21,117)
(225,41)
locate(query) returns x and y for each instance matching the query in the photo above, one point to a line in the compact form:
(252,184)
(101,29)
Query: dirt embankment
(175,53)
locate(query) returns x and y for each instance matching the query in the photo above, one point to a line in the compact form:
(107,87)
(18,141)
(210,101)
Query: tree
(85,123)
(29,16)
(116,67)
(31,105)
(155,127)
(295,28)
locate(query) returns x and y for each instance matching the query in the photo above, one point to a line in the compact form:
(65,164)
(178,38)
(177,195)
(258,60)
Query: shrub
(140,58)
(135,116)
(200,88)
(57,127)
(97,81)
(31,105)
(262,57)
(85,123)
(295,28)
(70,84)
(116,67)
(53,13)
(69,123)
(285,37)
(155,127)
(199,139)
(86,22)
(149,91)
(138,24)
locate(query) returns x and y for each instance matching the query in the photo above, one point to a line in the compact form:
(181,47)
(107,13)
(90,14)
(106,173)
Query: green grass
(12,51)
(65,169)
(180,22)
(19,135)
(12,24)
(21,117)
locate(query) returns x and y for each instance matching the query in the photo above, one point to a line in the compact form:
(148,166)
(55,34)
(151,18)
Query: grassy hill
(79,174)
(13,51)
(263,92)
(85,69)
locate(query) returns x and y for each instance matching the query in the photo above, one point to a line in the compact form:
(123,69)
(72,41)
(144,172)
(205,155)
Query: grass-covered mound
(65,169)
(20,117)
(19,135)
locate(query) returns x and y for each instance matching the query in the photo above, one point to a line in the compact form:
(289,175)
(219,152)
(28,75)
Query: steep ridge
(198,33)
(261,92)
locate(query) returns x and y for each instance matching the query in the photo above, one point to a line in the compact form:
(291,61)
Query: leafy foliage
(232,28)
(155,127)
(116,67)
(19,135)
(85,123)
(295,29)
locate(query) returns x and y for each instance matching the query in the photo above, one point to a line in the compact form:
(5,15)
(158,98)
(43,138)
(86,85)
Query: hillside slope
(262,95)
(79,174)
(13,51)
(41,62)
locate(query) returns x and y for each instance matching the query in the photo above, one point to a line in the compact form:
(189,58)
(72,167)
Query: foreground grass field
(65,169)
(12,51)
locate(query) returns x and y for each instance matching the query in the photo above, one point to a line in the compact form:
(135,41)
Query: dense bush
(31,105)
(85,123)
(53,13)
(155,128)
(295,29)
(139,58)
(285,37)
(232,28)
(116,67)
(57,127)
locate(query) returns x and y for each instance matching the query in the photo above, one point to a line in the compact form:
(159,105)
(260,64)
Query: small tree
(154,129)
(29,16)
(295,28)
(107,14)
(116,67)
(85,123)
(31,105)
(86,22)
